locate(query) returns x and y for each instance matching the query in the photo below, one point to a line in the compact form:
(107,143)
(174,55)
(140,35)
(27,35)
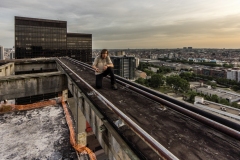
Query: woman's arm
(94,66)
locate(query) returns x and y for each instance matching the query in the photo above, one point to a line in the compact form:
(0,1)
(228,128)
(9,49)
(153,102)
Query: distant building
(229,96)
(235,64)
(39,38)
(120,53)
(176,55)
(170,55)
(124,66)
(153,56)
(11,56)
(192,60)
(48,38)
(137,62)
(233,75)
(79,46)
(201,60)
(189,47)
(218,73)
(153,69)
(2,53)
(199,99)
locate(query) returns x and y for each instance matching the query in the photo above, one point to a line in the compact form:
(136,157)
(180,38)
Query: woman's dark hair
(103,51)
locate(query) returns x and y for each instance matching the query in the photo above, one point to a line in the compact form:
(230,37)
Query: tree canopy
(156,80)
(178,83)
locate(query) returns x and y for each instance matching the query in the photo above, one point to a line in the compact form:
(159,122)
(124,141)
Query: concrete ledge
(26,76)
(32,84)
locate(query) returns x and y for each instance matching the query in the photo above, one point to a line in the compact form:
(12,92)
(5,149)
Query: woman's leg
(99,78)
(109,71)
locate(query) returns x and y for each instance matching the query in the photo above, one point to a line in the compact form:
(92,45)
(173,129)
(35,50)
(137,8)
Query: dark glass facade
(48,38)
(39,38)
(124,66)
(79,46)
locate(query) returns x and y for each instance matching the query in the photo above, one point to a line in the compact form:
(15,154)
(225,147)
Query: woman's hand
(105,67)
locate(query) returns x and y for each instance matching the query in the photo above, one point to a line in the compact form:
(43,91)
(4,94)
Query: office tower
(2,53)
(48,38)
(124,66)
(39,38)
(79,46)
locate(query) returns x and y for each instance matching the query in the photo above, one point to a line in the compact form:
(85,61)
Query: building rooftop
(220,93)
(41,133)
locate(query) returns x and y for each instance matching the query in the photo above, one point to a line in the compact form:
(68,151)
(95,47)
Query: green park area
(178,86)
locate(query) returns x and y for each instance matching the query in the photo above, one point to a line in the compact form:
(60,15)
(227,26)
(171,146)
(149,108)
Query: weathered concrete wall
(28,66)
(33,84)
(7,69)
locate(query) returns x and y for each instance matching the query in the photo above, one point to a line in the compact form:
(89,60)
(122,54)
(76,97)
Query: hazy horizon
(135,24)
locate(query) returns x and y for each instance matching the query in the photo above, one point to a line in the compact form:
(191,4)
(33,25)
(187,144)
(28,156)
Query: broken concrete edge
(7,108)
(79,148)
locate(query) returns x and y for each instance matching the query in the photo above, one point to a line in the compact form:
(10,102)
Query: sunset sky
(135,23)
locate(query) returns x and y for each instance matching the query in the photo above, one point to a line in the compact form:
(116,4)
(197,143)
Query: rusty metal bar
(154,96)
(155,145)
(209,122)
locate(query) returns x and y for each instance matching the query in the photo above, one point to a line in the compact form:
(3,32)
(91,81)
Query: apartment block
(124,66)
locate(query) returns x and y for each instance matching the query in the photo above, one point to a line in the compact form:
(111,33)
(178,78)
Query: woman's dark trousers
(99,77)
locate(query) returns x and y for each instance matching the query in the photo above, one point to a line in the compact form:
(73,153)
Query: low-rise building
(233,74)
(2,53)
(230,96)
(153,69)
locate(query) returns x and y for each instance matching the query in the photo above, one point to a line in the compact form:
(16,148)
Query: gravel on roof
(35,134)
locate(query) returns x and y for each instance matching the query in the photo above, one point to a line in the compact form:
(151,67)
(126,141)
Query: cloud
(128,22)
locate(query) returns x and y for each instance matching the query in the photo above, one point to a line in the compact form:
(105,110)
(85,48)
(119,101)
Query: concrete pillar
(80,121)
(1,72)
(12,69)
(65,95)
(81,124)
(8,71)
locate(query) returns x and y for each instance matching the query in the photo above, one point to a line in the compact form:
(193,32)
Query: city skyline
(135,24)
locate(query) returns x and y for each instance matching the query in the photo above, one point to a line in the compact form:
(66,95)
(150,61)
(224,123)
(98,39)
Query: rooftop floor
(35,134)
(184,137)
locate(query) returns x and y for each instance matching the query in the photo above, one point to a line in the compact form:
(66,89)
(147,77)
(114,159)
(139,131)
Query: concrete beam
(31,84)
(22,65)
(37,65)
